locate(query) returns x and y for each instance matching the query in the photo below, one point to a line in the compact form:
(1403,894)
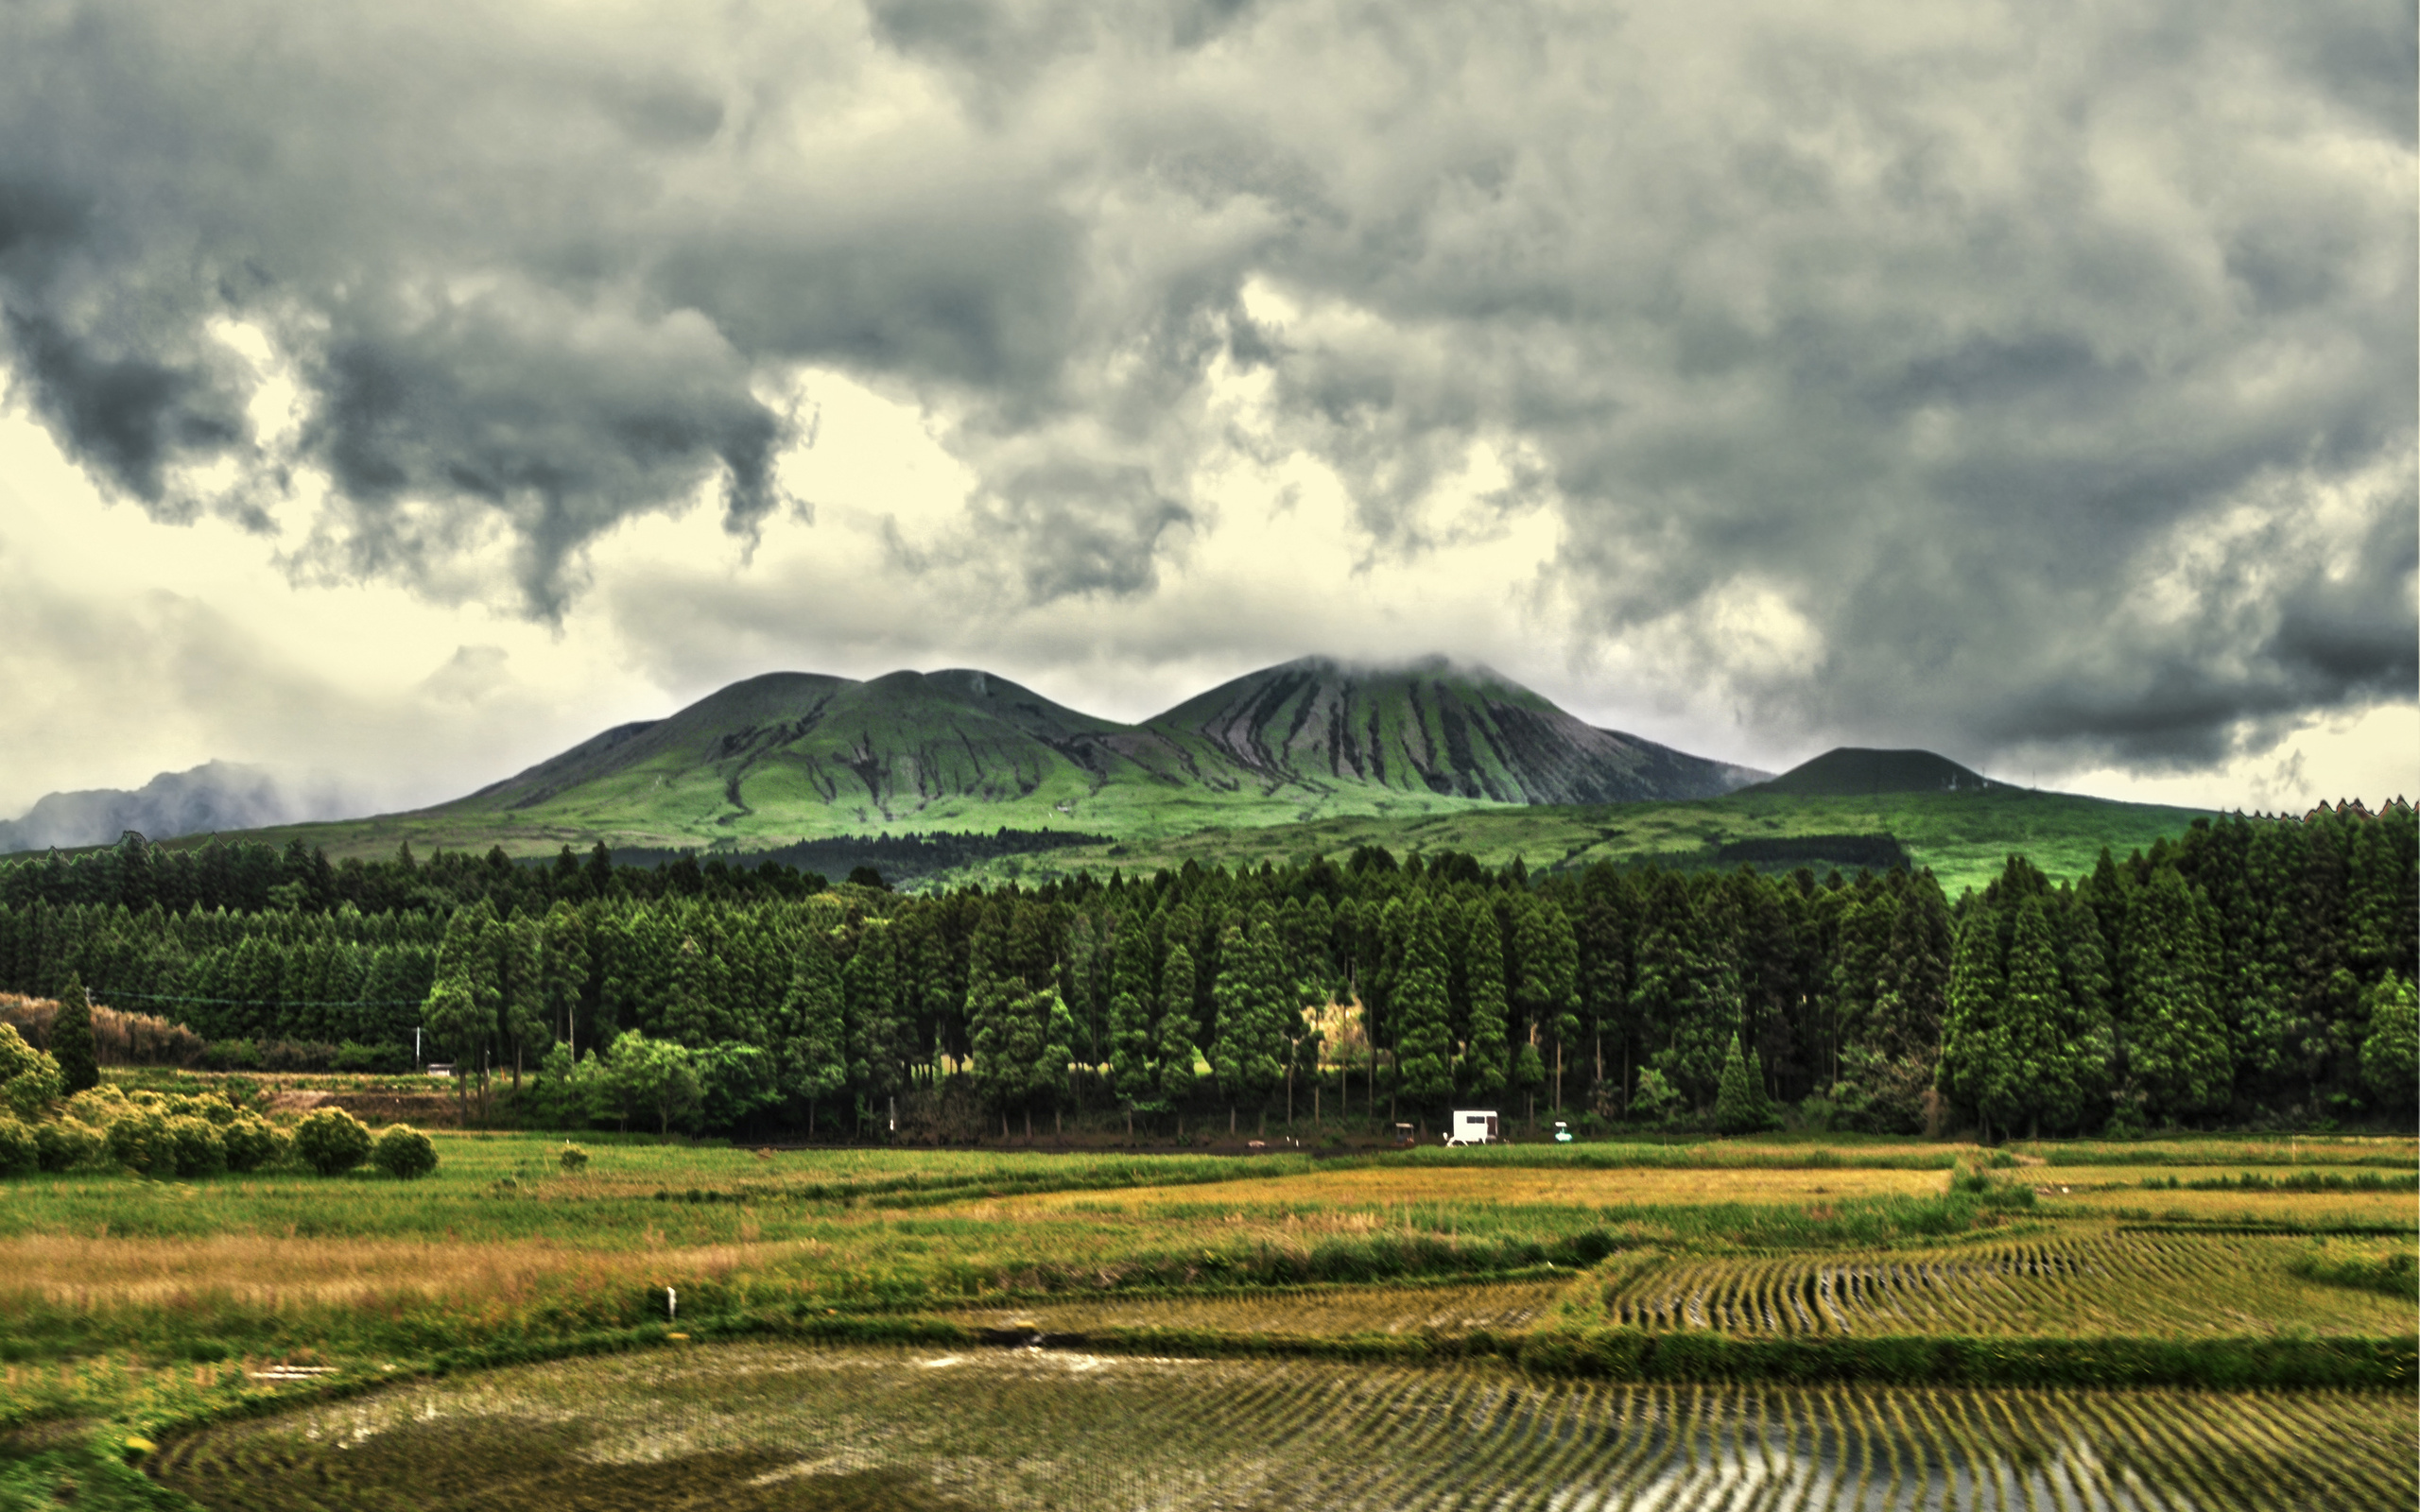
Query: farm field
(765,1426)
(1531,1322)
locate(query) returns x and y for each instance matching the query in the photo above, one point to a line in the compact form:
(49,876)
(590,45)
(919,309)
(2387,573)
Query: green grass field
(1839,1318)
(1965,838)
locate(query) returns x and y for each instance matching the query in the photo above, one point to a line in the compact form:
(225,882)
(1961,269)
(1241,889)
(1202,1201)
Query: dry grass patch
(1343,1191)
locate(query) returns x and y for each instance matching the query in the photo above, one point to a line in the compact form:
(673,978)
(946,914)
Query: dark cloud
(2035,378)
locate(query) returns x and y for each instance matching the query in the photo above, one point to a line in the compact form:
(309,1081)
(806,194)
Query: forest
(2252,973)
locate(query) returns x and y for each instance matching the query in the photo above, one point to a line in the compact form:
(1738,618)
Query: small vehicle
(1403,1136)
(1474,1127)
(1562,1132)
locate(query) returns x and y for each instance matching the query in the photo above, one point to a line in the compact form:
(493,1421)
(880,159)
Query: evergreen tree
(1424,1045)
(1485,1055)
(1174,1044)
(811,1048)
(2389,1051)
(2176,1047)
(70,1039)
(1971,1035)
(1132,1061)
(879,1034)
(2048,1060)
(1740,1104)
(1254,999)
(1547,992)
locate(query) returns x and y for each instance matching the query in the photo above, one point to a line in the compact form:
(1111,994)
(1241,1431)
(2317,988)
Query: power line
(252,1002)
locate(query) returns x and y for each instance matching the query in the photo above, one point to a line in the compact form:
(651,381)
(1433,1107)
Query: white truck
(1474,1127)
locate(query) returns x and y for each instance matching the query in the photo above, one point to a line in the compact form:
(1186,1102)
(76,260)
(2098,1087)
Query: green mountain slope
(1429,727)
(1854,772)
(790,755)
(1964,837)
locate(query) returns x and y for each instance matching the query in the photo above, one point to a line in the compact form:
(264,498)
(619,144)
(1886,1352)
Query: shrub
(403,1153)
(232,1055)
(331,1141)
(19,1154)
(195,1146)
(64,1143)
(572,1157)
(29,1079)
(254,1143)
(138,1140)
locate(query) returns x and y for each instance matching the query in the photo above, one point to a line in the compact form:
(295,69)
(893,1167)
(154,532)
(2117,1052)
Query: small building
(1474,1127)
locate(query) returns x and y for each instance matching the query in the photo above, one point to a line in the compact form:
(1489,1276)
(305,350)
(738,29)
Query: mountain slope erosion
(1431,726)
(793,755)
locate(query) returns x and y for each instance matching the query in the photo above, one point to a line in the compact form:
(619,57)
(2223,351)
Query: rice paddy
(2125,1285)
(761,1426)
(1245,1331)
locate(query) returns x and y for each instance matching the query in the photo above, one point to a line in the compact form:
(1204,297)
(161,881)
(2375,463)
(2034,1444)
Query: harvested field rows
(2309,1211)
(2123,1284)
(1509,1187)
(767,1426)
(1506,1308)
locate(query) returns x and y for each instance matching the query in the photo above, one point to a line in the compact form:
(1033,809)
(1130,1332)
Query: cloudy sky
(399,393)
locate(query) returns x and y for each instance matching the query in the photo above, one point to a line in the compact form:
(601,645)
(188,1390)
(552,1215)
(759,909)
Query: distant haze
(215,796)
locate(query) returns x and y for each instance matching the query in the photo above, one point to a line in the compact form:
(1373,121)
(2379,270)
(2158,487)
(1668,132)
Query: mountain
(789,755)
(1854,772)
(213,796)
(1429,726)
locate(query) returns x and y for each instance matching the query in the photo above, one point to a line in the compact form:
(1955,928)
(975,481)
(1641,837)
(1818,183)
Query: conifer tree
(1547,992)
(1484,1056)
(812,1026)
(1252,1000)
(70,1039)
(1423,1046)
(2176,1047)
(1970,1036)
(1174,1044)
(2391,1049)
(1132,1067)
(1739,1103)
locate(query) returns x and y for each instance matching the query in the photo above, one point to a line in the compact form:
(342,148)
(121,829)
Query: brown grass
(1507,1186)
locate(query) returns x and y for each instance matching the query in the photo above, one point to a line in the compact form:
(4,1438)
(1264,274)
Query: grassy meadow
(503,1328)
(1965,838)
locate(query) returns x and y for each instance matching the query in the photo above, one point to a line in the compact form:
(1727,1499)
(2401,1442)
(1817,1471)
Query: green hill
(1964,837)
(1853,771)
(791,756)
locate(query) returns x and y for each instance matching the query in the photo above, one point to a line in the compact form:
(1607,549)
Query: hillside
(1964,837)
(1319,724)
(1854,772)
(791,756)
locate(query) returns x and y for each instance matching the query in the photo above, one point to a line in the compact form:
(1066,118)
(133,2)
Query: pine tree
(1739,1105)
(70,1039)
(1252,1000)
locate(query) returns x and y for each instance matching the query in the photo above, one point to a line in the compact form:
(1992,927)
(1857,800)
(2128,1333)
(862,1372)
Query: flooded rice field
(773,1426)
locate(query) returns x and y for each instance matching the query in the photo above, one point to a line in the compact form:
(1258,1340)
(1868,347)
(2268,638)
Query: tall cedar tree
(70,1039)
(1174,1042)
(2176,1048)
(1485,1055)
(1739,1105)
(1252,1001)
(1132,1068)
(812,1024)
(1423,1043)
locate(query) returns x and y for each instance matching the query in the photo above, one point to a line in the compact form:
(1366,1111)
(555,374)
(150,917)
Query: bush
(138,1140)
(19,1154)
(29,1079)
(403,1153)
(232,1055)
(254,1143)
(64,1143)
(195,1146)
(296,1054)
(331,1141)
(572,1157)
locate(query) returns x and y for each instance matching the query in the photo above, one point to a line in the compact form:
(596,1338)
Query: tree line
(2250,971)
